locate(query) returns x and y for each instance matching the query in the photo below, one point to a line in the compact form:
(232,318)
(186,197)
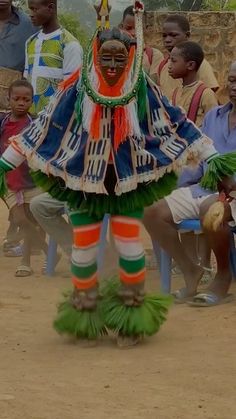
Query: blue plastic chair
(166,260)
(52,249)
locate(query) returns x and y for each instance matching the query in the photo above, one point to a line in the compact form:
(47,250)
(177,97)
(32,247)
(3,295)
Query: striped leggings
(126,233)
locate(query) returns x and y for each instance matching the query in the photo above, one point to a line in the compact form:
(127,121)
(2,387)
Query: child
(20,185)
(176,29)
(196,99)
(193,96)
(152,56)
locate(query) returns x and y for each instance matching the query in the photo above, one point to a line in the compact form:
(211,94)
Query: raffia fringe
(123,186)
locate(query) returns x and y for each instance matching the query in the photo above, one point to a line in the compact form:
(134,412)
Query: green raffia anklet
(141,321)
(81,324)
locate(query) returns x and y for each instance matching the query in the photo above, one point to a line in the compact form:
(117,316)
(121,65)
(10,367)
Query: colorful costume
(111,149)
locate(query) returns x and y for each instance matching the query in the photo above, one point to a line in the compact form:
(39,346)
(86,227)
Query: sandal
(13,252)
(181,296)
(209,299)
(23,271)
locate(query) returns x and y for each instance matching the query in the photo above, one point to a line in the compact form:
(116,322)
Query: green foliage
(71,22)
(219,5)
(162,5)
(190,5)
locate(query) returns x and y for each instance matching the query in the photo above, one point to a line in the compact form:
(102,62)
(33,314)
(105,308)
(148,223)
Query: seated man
(48,212)
(190,202)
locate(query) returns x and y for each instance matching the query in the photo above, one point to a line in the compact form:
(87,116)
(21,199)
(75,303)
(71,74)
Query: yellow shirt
(184,97)
(168,84)
(151,68)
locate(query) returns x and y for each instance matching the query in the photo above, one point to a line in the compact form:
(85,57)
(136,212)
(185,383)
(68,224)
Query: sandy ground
(187,371)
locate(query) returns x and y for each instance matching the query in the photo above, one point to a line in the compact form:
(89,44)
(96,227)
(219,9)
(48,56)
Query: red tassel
(121,126)
(95,124)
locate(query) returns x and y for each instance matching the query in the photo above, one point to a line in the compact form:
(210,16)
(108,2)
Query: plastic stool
(166,260)
(52,249)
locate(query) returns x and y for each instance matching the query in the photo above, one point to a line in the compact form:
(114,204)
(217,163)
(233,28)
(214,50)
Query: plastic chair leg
(165,270)
(157,252)
(51,257)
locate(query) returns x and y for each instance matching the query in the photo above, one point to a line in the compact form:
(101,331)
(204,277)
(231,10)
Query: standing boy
(176,29)
(193,96)
(51,55)
(15,29)
(196,99)
(21,188)
(152,56)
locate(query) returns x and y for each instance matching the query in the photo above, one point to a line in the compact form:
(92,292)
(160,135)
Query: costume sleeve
(12,157)
(186,129)
(190,176)
(219,166)
(73,58)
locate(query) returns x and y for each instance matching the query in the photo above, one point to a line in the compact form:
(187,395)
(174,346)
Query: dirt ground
(187,371)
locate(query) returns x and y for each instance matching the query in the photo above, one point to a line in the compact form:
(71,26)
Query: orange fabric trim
(95,126)
(70,80)
(86,238)
(84,284)
(125,230)
(16,148)
(132,278)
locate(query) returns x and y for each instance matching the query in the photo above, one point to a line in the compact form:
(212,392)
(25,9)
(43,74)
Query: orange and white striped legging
(126,232)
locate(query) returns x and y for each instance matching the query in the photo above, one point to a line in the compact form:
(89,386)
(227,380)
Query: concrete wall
(214,31)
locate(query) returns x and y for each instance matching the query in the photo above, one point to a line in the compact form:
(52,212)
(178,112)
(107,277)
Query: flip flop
(181,296)
(13,252)
(209,299)
(23,271)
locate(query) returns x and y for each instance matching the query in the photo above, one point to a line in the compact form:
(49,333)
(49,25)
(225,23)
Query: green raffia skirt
(100,204)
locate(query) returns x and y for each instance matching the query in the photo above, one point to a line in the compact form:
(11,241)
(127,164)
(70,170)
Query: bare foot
(192,279)
(220,284)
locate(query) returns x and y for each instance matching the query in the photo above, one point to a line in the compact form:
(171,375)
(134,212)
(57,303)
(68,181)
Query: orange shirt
(184,96)
(168,84)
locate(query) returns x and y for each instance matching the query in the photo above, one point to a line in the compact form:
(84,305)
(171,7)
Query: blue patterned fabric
(57,145)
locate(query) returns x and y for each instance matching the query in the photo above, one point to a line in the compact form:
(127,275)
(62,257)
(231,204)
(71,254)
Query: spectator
(21,188)
(193,96)
(196,99)
(51,55)
(192,202)
(15,29)
(152,56)
(176,29)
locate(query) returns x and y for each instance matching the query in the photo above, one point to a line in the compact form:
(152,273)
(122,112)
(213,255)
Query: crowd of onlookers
(36,54)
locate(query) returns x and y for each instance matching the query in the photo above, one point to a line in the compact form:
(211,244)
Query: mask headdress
(95,93)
